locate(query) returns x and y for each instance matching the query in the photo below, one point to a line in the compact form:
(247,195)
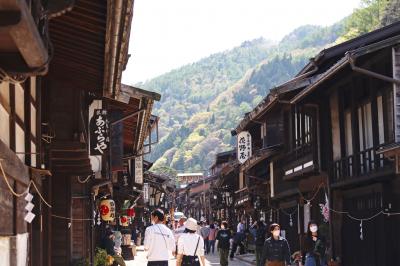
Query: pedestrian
(315,246)
(259,231)
(238,239)
(109,244)
(180,229)
(276,251)
(158,240)
(211,237)
(190,246)
(223,243)
(204,232)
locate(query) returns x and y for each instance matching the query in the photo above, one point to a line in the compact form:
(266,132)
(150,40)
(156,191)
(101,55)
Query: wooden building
(330,134)
(59,62)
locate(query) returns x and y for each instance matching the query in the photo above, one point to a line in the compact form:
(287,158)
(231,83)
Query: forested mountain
(203,101)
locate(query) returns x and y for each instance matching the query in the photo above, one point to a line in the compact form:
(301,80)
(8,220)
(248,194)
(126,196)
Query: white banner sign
(139,170)
(146,192)
(243,146)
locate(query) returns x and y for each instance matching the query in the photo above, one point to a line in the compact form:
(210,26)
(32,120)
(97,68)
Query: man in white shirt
(159,241)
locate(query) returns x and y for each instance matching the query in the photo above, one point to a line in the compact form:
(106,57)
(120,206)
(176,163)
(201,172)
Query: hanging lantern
(124,221)
(130,212)
(107,210)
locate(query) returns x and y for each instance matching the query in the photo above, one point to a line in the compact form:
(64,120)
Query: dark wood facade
(333,133)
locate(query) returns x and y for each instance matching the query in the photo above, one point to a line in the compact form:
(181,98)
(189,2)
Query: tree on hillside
(392,13)
(364,19)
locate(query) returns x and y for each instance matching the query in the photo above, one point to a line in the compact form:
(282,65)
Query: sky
(167,34)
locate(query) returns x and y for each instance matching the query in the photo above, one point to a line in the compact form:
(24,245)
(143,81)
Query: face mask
(276,233)
(313,228)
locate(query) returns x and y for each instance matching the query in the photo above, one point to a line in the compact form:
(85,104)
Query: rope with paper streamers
(341,212)
(32,183)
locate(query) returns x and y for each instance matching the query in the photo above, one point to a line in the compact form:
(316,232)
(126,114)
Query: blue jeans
(310,260)
(212,245)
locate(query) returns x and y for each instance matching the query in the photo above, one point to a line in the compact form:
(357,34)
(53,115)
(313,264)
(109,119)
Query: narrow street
(140,260)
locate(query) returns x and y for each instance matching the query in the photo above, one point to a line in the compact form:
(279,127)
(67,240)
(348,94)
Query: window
(348,133)
(381,127)
(365,127)
(302,128)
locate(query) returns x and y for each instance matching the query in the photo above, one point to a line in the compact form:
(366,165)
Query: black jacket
(275,250)
(260,235)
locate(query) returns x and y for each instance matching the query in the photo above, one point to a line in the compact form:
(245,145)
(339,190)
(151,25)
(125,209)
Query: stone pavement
(247,259)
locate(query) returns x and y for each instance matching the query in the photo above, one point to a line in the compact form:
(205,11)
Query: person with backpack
(159,242)
(223,243)
(190,246)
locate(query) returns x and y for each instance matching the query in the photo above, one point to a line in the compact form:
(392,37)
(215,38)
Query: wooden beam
(26,36)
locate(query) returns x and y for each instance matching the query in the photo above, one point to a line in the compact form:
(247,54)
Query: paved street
(210,260)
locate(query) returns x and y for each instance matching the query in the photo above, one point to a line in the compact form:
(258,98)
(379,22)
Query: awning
(259,156)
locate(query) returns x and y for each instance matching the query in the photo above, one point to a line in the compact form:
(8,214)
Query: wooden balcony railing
(360,164)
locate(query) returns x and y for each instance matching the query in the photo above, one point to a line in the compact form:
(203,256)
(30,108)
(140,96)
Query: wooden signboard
(99,132)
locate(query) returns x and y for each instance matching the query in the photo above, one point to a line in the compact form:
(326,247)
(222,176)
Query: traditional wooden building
(61,65)
(330,149)
(356,100)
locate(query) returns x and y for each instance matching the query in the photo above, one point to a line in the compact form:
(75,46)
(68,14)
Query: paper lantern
(107,210)
(124,221)
(130,212)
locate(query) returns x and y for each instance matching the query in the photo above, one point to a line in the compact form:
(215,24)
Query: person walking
(276,251)
(159,241)
(204,232)
(259,232)
(223,243)
(190,246)
(238,239)
(179,230)
(211,238)
(315,246)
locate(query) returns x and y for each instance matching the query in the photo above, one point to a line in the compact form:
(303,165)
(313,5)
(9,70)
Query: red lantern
(130,212)
(124,221)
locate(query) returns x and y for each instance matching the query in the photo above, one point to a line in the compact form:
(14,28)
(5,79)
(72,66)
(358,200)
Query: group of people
(190,241)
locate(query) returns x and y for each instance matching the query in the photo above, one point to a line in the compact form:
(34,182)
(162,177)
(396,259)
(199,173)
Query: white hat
(191,224)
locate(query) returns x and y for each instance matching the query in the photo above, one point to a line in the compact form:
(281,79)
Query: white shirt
(240,228)
(187,244)
(159,242)
(178,232)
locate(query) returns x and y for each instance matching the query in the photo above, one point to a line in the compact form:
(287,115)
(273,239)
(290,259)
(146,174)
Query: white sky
(167,34)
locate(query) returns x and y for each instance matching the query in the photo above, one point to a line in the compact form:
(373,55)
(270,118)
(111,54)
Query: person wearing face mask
(276,251)
(159,242)
(315,246)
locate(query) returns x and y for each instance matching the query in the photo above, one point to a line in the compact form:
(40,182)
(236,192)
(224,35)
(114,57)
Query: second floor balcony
(365,164)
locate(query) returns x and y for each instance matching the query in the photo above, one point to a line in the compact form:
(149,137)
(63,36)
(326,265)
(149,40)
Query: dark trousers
(259,251)
(158,263)
(207,245)
(234,248)
(212,245)
(223,256)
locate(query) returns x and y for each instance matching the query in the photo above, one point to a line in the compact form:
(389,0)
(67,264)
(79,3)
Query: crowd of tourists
(189,241)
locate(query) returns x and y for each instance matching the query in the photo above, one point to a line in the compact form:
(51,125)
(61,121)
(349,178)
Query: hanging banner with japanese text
(244,151)
(139,170)
(99,132)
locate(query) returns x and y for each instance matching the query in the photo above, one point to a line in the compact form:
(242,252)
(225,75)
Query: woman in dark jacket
(315,246)
(276,251)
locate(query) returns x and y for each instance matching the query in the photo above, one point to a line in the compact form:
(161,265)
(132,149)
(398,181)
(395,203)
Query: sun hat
(191,224)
